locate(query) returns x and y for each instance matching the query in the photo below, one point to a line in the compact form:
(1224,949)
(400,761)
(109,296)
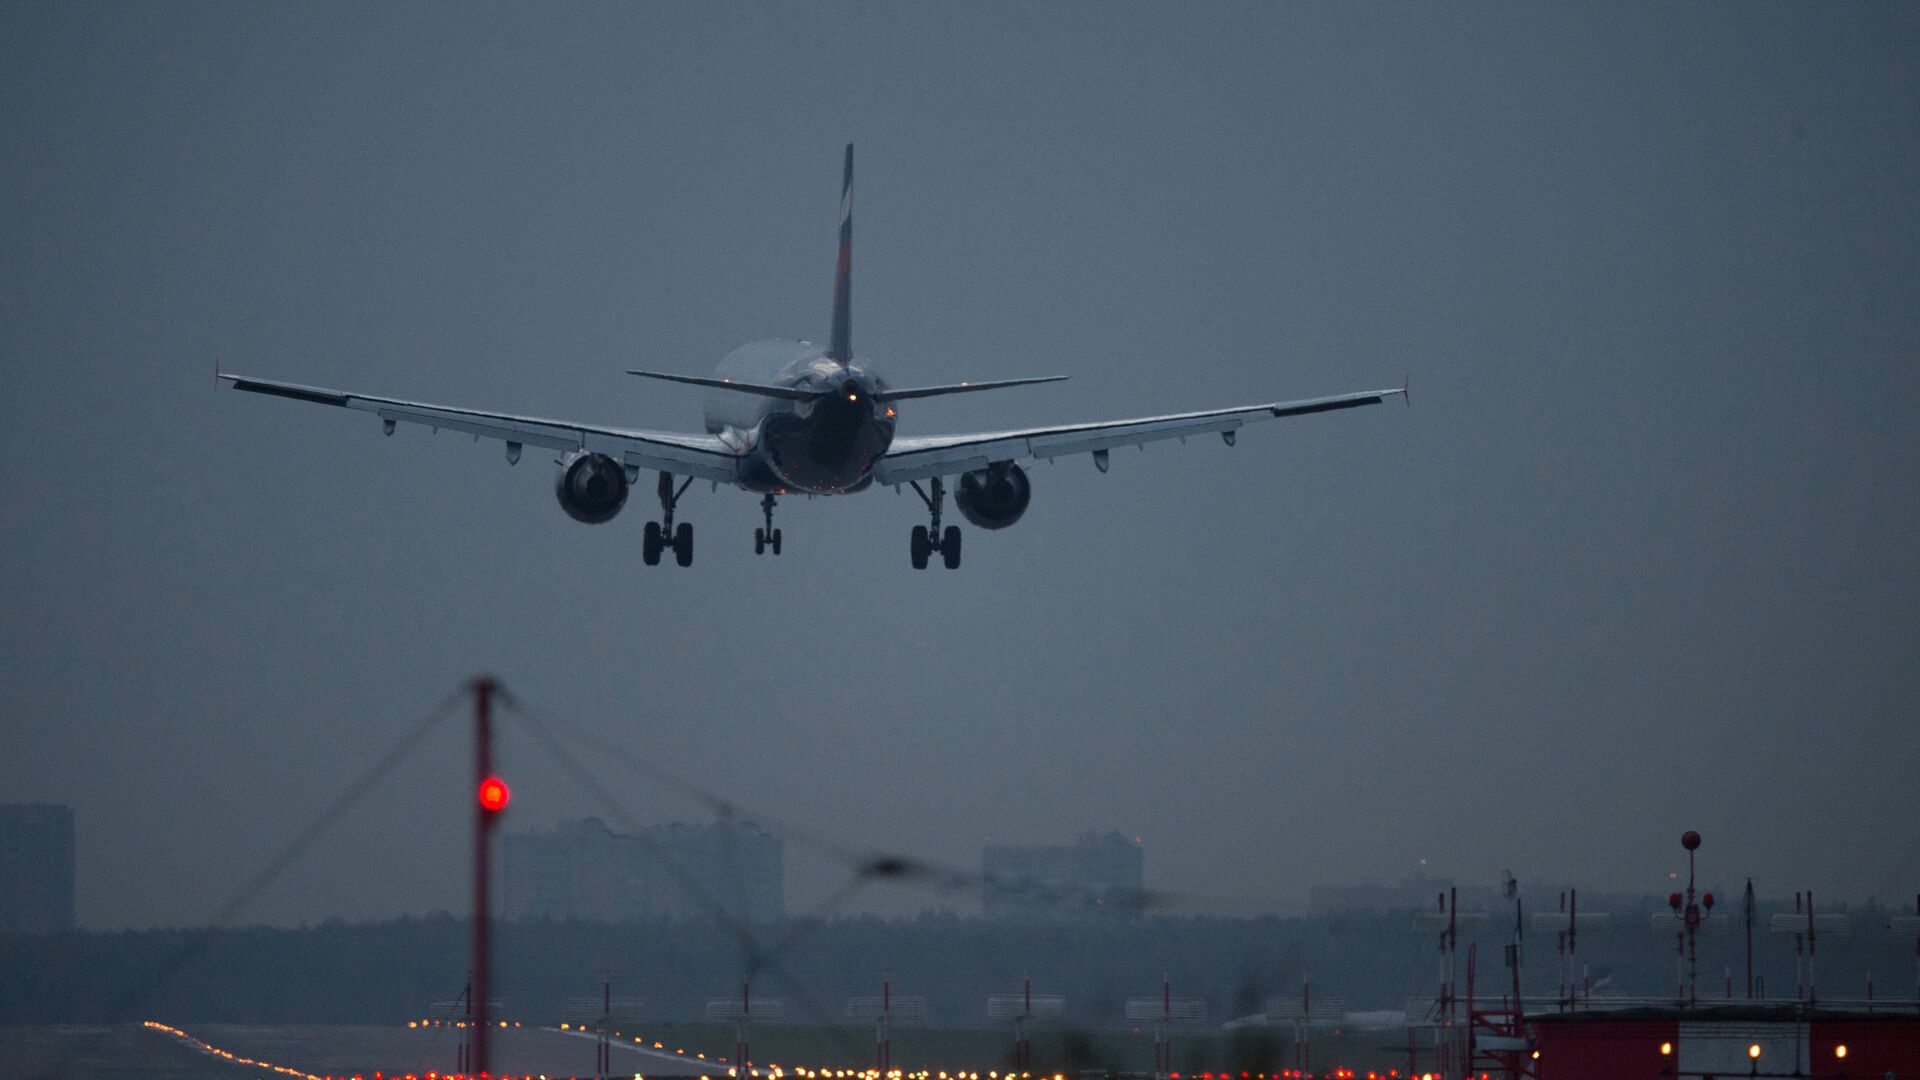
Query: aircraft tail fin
(841,346)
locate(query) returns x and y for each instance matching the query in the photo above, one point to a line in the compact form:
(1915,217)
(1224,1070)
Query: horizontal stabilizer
(960,388)
(787,392)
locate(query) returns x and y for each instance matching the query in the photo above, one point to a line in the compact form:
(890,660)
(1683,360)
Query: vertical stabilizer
(841,346)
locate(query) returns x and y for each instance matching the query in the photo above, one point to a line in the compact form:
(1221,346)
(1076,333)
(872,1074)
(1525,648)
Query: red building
(1722,1043)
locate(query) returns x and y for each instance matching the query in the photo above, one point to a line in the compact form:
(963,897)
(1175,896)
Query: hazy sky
(1640,557)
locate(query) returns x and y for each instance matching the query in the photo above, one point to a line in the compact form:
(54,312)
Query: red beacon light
(1673,901)
(494,794)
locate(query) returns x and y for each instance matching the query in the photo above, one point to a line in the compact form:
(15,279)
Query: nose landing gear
(928,539)
(662,534)
(768,536)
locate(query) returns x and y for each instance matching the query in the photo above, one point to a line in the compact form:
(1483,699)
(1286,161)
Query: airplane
(791,418)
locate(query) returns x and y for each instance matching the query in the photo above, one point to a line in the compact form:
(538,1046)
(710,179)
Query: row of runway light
(778,1072)
(208,1048)
(770,1072)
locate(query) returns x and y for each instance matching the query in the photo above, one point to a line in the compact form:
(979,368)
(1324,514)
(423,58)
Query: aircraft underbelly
(831,451)
(826,446)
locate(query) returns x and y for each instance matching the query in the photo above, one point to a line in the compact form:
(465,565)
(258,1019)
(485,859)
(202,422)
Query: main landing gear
(928,539)
(767,537)
(662,534)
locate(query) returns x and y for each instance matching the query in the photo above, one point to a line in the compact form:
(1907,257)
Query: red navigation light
(494,794)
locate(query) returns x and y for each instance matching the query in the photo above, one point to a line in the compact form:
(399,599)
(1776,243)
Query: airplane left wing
(949,455)
(703,456)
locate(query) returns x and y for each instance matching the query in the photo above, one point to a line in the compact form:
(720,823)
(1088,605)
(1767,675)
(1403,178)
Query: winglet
(840,346)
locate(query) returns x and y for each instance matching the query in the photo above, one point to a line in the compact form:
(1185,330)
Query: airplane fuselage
(824,446)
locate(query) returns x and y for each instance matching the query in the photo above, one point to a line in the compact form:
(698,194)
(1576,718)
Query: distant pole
(1022,1044)
(1573,935)
(483,822)
(1302,1053)
(1812,993)
(604,1066)
(1799,949)
(1467,1055)
(1560,951)
(1749,939)
(465,1048)
(740,1050)
(882,1037)
(1162,1051)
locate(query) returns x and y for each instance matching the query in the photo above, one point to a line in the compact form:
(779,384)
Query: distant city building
(1414,894)
(585,870)
(36,868)
(1099,875)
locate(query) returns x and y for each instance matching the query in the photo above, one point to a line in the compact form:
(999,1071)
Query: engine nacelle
(591,487)
(994,498)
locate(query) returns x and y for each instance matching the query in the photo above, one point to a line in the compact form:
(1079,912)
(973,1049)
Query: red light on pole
(494,794)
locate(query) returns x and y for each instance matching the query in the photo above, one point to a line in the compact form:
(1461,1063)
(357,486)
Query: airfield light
(1666,1049)
(1840,1051)
(494,794)
(1753,1051)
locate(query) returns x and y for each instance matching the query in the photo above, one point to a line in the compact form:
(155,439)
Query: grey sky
(1639,558)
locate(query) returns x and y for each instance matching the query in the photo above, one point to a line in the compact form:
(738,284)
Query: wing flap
(526,435)
(703,456)
(948,455)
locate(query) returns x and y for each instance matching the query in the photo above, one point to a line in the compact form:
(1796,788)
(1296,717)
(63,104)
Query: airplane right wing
(949,455)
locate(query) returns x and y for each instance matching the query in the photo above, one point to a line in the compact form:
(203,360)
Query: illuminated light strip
(284,1070)
(229,1055)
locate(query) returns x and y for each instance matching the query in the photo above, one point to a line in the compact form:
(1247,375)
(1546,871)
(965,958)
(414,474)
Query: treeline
(390,971)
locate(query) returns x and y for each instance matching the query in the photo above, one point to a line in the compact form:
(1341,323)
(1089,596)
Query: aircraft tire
(650,545)
(683,544)
(950,547)
(921,547)
(776,541)
(759,541)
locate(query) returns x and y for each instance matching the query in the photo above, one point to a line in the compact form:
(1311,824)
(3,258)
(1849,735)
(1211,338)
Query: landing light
(1840,1051)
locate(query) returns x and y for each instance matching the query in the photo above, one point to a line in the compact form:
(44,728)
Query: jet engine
(994,497)
(591,487)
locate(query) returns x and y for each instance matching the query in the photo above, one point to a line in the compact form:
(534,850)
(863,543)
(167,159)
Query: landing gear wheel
(683,544)
(662,534)
(950,547)
(766,536)
(921,547)
(650,545)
